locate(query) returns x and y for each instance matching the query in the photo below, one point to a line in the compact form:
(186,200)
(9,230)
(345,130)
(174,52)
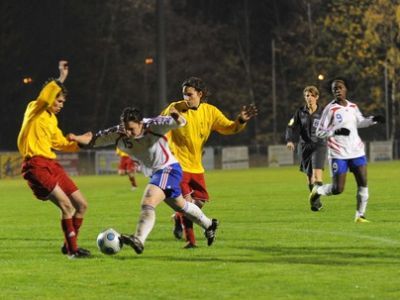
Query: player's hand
(63,68)
(342,131)
(379,119)
(173,112)
(247,113)
(83,139)
(181,106)
(290,146)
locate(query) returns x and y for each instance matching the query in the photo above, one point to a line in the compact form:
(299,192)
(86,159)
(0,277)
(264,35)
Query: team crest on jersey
(315,123)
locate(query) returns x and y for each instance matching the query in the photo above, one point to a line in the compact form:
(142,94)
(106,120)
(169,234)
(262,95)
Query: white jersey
(150,149)
(336,116)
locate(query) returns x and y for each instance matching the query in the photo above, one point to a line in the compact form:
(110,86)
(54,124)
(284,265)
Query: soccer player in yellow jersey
(127,166)
(187,144)
(38,138)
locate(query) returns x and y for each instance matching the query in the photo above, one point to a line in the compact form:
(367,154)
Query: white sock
(362,200)
(325,190)
(146,222)
(196,215)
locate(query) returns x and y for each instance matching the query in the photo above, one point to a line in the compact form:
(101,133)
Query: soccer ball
(108,242)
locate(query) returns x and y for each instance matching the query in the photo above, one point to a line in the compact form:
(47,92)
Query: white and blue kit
(344,152)
(150,149)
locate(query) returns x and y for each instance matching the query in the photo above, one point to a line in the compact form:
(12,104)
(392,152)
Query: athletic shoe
(210,232)
(190,246)
(315,200)
(178,230)
(81,253)
(361,219)
(65,251)
(132,241)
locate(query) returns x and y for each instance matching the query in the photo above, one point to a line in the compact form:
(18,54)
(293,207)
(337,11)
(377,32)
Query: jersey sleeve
(61,143)
(45,99)
(292,128)
(325,128)
(225,126)
(106,137)
(362,121)
(162,124)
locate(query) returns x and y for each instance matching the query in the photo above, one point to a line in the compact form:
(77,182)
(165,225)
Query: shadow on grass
(288,255)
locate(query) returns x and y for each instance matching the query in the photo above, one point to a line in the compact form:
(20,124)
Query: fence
(90,162)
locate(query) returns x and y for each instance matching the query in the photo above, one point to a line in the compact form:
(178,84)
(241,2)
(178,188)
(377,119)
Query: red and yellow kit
(187,142)
(126,163)
(39,134)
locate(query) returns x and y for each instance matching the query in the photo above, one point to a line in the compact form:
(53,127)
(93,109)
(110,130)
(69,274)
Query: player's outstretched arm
(83,139)
(63,68)
(247,112)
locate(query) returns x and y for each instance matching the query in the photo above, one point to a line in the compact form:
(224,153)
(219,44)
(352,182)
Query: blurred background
(138,52)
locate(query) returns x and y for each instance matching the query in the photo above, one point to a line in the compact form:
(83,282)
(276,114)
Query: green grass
(269,246)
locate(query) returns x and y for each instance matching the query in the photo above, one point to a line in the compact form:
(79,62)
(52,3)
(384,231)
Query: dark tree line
(227,43)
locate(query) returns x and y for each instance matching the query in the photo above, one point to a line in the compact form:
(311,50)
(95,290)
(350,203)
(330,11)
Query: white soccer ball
(108,242)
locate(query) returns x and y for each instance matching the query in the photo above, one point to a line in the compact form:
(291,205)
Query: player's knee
(67,208)
(82,207)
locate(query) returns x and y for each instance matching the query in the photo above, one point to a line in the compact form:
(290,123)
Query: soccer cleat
(190,246)
(65,251)
(361,219)
(210,232)
(132,241)
(81,253)
(315,200)
(178,230)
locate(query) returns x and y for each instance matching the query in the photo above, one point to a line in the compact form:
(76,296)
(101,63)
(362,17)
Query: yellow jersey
(121,153)
(187,142)
(39,134)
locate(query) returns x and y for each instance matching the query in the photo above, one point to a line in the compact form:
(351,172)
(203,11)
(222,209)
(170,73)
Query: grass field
(269,246)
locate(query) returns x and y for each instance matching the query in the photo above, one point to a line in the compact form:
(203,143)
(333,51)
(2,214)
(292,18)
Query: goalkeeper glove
(342,131)
(379,119)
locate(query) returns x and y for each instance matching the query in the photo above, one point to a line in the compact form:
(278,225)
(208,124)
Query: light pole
(147,62)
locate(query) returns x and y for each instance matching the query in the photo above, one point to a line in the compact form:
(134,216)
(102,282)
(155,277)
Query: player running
(339,124)
(311,149)
(143,139)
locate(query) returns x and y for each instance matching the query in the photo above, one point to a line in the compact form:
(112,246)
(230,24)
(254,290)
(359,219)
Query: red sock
(178,217)
(77,224)
(70,235)
(189,232)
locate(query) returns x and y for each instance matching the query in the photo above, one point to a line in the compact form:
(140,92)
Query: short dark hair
(198,84)
(342,79)
(64,90)
(131,114)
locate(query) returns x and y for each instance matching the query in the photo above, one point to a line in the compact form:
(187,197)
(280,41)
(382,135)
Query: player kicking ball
(143,139)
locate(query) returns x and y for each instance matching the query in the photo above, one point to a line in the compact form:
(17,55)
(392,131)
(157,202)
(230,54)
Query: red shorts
(126,165)
(44,174)
(194,185)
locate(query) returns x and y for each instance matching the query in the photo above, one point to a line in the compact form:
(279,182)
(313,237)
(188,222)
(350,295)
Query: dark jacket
(302,126)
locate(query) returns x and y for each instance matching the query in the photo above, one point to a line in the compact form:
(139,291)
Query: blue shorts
(168,179)
(340,166)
